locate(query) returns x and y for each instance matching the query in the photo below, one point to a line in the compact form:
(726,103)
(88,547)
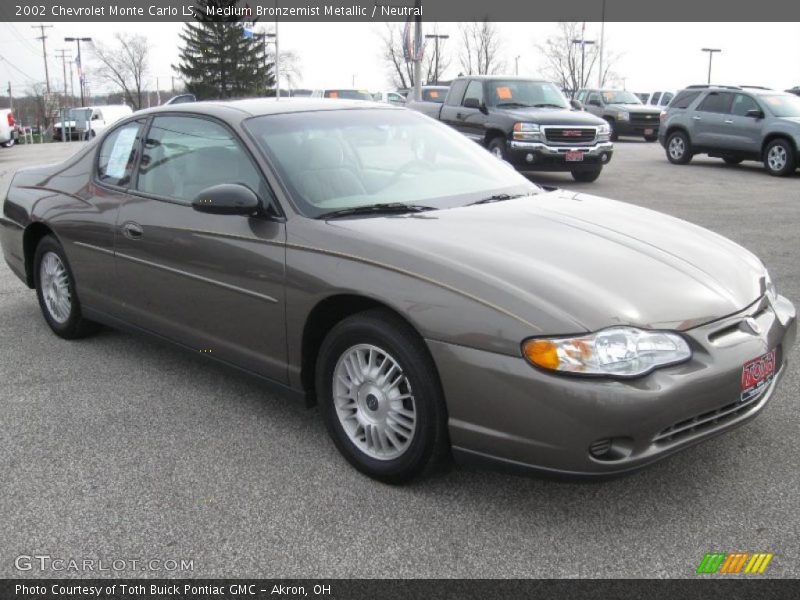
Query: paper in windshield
(121,152)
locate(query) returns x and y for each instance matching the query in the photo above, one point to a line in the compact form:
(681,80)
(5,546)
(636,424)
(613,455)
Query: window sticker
(333,94)
(434,93)
(504,93)
(121,152)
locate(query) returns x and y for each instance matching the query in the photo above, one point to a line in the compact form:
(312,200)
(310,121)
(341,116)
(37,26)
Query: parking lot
(120,446)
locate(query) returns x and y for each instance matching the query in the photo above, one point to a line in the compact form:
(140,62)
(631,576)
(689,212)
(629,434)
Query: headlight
(616,352)
(624,116)
(604,129)
(526,131)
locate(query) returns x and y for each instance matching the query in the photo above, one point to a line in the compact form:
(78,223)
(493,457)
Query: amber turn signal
(542,353)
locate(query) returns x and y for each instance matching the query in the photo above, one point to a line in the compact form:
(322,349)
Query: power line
(25,43)
(17,69)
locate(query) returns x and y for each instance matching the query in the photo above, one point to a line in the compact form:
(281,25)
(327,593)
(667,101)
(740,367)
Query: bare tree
(125,64)
(481,48)
(565,63)
(401,72)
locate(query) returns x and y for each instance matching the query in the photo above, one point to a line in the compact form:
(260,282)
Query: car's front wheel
(779,158)
(9,143)
(679,149)
(55,289)
(586,176)
(380,397)
(497,146)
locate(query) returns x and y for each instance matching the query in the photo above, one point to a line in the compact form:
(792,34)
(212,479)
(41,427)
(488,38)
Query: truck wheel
(497,146)
(779,158)
(679,149)
(586,176)
(613,136)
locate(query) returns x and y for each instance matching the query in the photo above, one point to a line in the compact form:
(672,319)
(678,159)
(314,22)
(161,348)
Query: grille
(570,135)
(646,119)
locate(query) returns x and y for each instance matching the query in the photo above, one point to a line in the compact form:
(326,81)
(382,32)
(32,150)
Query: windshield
(620,97)
(337,159)
(515,92)
(348,94)
(783,105)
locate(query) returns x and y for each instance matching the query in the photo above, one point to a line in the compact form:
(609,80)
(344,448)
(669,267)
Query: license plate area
(574,155)
(648,132)
(757,374)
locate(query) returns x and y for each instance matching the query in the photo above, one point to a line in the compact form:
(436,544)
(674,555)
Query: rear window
(684,99)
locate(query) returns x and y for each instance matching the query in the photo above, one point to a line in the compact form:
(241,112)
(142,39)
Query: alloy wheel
(54,281)
(777,157)
(676,147)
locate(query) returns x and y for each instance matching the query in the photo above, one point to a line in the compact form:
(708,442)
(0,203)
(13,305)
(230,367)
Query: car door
(709,127)
(471,120)
(452,104)
(594,103)
(212,282)
(743,133)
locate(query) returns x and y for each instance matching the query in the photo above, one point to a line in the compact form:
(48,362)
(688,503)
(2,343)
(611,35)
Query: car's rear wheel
(497,146)
(380,397)
(679,149)
(55,289)
(732,160)
(779,158)
(586,176)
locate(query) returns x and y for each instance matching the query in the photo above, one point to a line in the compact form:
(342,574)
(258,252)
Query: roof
(253,107)
(503,77)
(753,89)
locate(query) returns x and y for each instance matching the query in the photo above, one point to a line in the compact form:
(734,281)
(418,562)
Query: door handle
(459,116)
(729,121)
(696,118)
(132,231)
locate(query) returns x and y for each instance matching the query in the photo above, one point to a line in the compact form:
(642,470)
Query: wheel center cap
(372,402)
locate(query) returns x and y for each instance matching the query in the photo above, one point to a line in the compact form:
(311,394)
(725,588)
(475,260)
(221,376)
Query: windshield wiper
(376,209)
(520,104)
(498,198)
(548,105)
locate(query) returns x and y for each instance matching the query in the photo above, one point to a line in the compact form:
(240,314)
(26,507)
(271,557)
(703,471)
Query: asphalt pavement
(121,447)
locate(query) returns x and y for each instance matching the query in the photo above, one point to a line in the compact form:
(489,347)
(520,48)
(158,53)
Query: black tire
(428,446)
(587,176)
(613,135)
(732,160)
(650,138)
(74,326)
(780,159)
(497,146)
(678,148)
(9,143)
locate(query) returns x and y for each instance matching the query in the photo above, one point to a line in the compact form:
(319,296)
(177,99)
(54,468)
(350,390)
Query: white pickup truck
(8,128)
(86,122)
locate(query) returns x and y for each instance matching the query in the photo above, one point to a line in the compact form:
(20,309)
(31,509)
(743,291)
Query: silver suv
(734,123)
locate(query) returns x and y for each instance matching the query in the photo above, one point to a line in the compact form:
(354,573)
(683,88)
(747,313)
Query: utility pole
(417,51)
(81,81)
(583,43)
(710,56)
(436,37)
(516,65)
(172,78)
(10,98)
(62,54)
(44,52)
(602,44)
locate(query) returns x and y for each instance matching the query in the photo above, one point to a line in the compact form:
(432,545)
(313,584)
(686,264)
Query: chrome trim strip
(228,286)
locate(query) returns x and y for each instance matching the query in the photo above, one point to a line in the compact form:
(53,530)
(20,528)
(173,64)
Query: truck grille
(653,119)
(570,135)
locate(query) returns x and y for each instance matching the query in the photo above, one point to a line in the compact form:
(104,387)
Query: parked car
(643,96)
(734,123)
(795,90)
(623,111)
(526,122)
(8,128)
(659,100)
(86,122)
(343,94)
(427,297)
(389,97)
(432,99)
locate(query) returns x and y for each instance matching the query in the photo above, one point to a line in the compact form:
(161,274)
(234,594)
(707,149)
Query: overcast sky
(652,56)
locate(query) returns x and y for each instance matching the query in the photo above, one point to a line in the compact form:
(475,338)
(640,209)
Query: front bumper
(504,411)
(637,128)
(539,156)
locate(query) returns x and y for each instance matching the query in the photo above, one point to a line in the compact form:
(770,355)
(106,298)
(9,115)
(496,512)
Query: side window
(655,98)
(684,99)
(456,92)
(184,155)
(666,99)
(742,104)
(594,99)
(474,90)
(117,154)
(581,95)
(716,102)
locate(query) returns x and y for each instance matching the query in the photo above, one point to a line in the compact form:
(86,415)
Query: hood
(580,261)
(635,108)
(554,116)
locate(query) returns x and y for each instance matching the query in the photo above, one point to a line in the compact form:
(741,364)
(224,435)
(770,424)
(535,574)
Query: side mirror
(472,103)
(227,199)
(755,113)
(576,104)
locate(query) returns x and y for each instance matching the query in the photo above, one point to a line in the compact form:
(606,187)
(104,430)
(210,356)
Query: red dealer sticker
(757,374)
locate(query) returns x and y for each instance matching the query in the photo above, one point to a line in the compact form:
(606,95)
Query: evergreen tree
(218,61)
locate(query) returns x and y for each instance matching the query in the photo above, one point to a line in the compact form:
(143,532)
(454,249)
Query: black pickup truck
(526,122)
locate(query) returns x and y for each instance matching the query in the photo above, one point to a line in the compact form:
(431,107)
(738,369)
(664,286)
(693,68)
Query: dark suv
(734,123)
(624,112)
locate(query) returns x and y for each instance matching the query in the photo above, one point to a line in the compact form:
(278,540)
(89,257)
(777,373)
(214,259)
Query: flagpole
(417,49)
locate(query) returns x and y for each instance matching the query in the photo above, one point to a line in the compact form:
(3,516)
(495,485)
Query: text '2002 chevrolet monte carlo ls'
(426,296)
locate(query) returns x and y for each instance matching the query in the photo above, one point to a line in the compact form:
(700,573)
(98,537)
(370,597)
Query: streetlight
(436,37)
(78,40)
(583,43)
(710,55)
(516,64)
